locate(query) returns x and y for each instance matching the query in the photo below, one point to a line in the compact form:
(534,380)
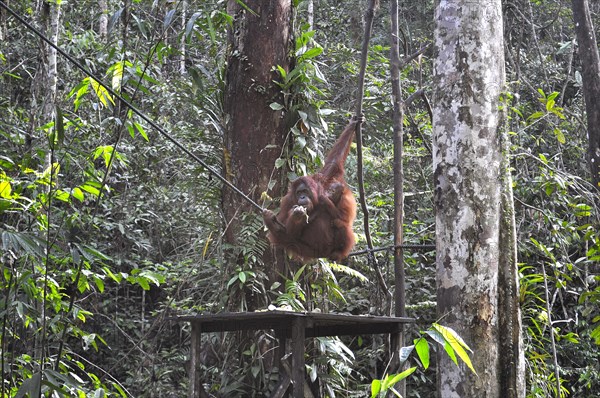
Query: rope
(133,108)
(403,246)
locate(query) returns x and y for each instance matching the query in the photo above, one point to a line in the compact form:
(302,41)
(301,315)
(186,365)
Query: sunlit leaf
(457,344)
(422,348)
(5,189)
(77,193)
(102,93)
(375,388)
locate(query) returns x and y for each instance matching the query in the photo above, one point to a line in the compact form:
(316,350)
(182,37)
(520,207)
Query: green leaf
(82,284)
(190,24)
(5,189)
(280,162)
(450,351)
(375,388)
(232,281)
(582,210)
(77,193)
(596,335)
(89,188)
(117,74)
(141,130)
(422,348)
(312,53)
(99,284)
(92,254)
(393,379)
(143,282)
(539,90)
(30,387)
(281,71)
(211,30)
(102,93)
(242,276)
(169,18)
(559,135)
(62,195)
(456,343)
(79,91)
(552,97)
(535,116)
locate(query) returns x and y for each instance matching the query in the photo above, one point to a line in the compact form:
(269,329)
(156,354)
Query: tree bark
(103,19)
(398,138)
(182,41)
(590,64)
(472,209)
(259,40)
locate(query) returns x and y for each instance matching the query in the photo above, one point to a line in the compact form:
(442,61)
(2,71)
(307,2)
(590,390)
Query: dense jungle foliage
(109,231)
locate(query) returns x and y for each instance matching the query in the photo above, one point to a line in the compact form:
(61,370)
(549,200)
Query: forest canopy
(108,230)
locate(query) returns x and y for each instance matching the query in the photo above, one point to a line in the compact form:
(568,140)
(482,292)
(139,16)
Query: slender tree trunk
(398,134)
(3,27)
(51,22)
(46,90)
(310,14)
(259,40)
(103,19)
(182,68)
(590,63)
(472,209)
(512,358)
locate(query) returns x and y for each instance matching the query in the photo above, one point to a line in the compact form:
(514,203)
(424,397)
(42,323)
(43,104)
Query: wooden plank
(352,330)
(318,324)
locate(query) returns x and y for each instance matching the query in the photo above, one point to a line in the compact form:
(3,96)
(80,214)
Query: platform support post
(196,390)
(298,335)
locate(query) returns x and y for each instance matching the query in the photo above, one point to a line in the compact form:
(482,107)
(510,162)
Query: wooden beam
(298,328)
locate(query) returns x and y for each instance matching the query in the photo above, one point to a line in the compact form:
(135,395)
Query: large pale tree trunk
(473,205)
(259,40)
(590,63)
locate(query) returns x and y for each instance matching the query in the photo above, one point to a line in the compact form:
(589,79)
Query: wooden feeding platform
(287,326)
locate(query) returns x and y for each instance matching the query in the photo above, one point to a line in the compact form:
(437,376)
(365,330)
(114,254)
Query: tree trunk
(512,358)
(45,91)
(398,134)
(49,69)
(103,19)
(590,63)
(472,208)
(182,41)
(255,133)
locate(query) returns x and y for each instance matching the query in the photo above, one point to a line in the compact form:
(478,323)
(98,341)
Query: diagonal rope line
(135,110)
